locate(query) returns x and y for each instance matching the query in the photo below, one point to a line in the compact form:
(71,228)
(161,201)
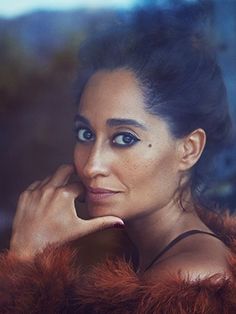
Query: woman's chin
(95,211)
(98,210)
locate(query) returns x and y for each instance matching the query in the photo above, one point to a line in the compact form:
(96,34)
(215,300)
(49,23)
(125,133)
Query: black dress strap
(176,240)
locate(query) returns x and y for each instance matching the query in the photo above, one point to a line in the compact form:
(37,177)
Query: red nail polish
(119,225)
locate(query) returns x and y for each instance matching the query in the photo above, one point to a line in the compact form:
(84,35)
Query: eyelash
(77,130)
(133,139)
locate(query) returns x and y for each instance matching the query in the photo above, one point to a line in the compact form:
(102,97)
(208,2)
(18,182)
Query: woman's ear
(191,148)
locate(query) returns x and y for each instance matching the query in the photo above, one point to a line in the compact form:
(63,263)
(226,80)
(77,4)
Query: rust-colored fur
(55,283)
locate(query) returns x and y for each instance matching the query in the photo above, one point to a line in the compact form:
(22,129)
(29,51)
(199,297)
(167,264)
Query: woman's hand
(46,214)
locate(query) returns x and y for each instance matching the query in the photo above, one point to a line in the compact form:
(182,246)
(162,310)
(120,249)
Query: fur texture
(55,283)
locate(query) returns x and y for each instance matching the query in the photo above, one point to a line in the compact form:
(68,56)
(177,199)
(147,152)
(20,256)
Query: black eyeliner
(134,137)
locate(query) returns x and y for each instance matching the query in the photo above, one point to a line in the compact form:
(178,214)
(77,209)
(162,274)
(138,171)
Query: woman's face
(125,157)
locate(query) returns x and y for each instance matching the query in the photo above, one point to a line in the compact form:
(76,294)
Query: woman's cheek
(154,180)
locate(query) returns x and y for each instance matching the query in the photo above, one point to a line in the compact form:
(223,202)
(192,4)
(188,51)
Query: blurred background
(39,42)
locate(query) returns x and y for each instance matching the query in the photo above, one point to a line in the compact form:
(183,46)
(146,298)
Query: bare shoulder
(191,267)
(196,264)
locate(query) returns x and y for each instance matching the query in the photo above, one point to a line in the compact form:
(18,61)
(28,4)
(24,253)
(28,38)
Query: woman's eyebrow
(120,122)
(82,119)
(113,122)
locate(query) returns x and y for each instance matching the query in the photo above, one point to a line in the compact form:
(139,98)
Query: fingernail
(119,225)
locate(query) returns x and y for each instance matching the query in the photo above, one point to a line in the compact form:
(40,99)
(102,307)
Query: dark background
(38,62)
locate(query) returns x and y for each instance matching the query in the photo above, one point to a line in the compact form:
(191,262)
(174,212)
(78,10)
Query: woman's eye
(84,135)
(125,139)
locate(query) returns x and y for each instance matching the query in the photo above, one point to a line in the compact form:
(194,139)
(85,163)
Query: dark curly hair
(179,76)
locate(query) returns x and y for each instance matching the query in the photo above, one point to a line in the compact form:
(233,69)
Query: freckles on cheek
(145,170)
(137,171)
(130,171)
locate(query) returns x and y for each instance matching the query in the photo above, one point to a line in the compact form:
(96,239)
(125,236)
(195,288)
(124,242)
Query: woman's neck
(151,233)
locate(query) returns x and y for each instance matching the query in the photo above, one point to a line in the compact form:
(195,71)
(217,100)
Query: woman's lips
(99,194)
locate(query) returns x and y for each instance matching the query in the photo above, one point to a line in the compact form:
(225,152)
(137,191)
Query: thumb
(85,227)
(101,223)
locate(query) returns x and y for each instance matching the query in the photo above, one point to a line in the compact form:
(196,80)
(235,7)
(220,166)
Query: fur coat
(54,282)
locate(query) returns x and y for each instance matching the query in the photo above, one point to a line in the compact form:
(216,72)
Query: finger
(33,185)
(95,224)
(65,196)
(44,182)
(61,176)
(74,178)
(72,190)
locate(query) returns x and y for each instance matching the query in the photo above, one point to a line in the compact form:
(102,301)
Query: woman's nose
(97,163)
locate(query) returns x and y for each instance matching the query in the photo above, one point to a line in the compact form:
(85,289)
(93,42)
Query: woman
(152,112)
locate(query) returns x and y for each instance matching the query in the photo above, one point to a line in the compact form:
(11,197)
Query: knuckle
(62,192)
(66,194)
(73,191)
(102,226)
(46,193)
(33,185)
(24,195)
(45,180)
(47,189)
(63,167)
